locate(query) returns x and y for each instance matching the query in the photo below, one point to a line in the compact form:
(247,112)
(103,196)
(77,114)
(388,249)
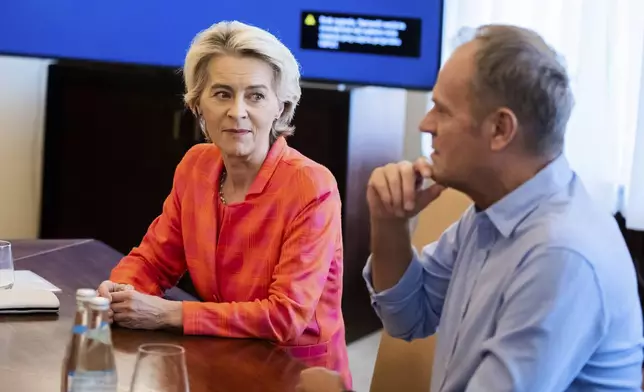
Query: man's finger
(408,177)
(423,167)
(381,189)
(426,196)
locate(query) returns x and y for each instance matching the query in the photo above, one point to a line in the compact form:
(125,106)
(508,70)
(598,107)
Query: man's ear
(503,127)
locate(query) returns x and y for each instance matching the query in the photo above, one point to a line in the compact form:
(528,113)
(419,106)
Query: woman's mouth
(237,131)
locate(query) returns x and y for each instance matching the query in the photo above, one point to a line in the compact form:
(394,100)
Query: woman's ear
(282,106)
(202,124)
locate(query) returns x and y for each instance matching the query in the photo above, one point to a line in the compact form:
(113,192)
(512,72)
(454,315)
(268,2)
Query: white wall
(418,104)
(22,107)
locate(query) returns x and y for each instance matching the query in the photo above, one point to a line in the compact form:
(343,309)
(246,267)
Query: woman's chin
(236,149)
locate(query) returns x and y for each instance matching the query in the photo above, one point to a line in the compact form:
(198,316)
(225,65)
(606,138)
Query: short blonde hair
(237,38)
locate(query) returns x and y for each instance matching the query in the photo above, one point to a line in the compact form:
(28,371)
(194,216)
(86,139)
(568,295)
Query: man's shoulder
(586,239)
(582,236)
(576,225)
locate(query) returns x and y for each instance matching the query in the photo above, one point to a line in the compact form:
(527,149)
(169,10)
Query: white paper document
(25,279)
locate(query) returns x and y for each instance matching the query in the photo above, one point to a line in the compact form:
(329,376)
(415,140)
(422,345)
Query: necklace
(221,187)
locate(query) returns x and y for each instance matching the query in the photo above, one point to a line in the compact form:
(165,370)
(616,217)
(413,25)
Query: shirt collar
(507,213)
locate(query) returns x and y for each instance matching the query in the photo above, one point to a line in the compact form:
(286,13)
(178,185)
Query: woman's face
(239,105)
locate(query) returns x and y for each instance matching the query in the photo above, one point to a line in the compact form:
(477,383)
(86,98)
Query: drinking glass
(6,266)
(160,368)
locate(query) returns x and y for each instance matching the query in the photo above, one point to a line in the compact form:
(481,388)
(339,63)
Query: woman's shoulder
(197,164)
(307,175)
(202,152)
(199,155)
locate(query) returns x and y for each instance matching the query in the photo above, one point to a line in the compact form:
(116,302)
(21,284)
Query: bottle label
(70,378)
(94,381)
(79,329)
(101,334)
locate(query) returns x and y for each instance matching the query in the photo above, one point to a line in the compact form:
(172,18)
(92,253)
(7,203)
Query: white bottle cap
(99,303)
(85,294)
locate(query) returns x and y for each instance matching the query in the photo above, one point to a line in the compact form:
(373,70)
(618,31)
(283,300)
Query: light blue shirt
(536,293)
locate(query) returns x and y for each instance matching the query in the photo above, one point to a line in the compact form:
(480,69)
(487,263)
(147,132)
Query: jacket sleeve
(159,262)
(298,280)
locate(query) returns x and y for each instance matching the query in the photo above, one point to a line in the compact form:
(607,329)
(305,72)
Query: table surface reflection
(32,346)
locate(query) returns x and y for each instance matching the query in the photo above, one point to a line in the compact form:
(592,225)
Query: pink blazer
(269,267)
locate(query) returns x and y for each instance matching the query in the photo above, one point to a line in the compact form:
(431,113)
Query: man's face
(460,149)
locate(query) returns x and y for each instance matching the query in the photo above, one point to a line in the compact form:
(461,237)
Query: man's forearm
(391,252)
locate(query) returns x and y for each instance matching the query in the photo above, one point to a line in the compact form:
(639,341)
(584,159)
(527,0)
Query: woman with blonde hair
(255,223)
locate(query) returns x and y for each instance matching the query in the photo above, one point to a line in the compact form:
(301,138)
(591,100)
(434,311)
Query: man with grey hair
(533,289)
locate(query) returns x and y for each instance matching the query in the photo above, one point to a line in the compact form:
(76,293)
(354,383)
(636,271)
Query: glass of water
(160,367)
(6,266)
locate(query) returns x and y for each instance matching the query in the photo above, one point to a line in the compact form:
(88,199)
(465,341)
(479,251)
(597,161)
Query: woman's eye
(222,94)
(257,96)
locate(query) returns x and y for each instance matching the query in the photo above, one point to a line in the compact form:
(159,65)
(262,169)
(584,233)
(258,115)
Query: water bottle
(96,369)
(81,323)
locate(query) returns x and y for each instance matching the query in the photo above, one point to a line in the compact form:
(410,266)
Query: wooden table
(32,346)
